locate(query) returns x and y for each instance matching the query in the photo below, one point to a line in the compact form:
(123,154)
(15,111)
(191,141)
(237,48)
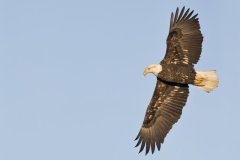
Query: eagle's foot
(198,81)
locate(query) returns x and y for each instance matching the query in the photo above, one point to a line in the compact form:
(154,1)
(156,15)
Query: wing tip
(152,148)
(184,15)
(137,136)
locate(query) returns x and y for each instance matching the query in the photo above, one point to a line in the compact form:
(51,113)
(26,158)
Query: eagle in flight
(174,74)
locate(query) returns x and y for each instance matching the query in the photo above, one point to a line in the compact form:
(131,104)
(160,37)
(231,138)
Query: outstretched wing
(163,111)
(184,41)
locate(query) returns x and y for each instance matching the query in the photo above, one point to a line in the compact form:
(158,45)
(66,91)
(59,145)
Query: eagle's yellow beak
(146,71)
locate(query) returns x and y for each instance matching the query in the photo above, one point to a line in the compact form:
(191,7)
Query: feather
(190,14)
(176,15)
(180,16)
(139,141)
(194,17)
(171,20)
(142,146)
(158,146)
(147,146)
(185,14)
(152,145)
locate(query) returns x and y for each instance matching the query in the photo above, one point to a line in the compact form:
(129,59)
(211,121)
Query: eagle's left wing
(184,41)
(163,111)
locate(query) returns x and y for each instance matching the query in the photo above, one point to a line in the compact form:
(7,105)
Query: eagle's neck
(157,69)
(153,68)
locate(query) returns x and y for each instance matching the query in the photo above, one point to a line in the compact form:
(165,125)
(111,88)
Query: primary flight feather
(174,73)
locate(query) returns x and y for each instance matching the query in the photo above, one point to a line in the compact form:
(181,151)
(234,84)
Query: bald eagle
(174,74)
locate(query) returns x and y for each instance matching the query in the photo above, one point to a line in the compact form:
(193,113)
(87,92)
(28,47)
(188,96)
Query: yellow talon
(198,81)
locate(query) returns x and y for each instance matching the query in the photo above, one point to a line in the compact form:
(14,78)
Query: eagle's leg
(206,80)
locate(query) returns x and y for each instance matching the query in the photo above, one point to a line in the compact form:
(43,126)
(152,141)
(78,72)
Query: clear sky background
(72,84)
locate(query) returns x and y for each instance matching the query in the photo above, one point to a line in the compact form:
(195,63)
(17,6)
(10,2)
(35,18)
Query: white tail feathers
(206,80)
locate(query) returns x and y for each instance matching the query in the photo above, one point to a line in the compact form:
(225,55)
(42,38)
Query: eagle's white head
(153,68)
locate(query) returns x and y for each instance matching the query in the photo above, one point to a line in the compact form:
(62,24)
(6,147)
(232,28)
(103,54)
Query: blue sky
(71,82)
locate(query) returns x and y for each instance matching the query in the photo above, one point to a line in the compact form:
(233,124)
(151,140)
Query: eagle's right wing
(163,111)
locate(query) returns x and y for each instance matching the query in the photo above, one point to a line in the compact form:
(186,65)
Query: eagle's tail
(206,80)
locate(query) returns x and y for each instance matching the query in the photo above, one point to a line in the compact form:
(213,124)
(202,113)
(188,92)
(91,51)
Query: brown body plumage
(174,74)
(182,73)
